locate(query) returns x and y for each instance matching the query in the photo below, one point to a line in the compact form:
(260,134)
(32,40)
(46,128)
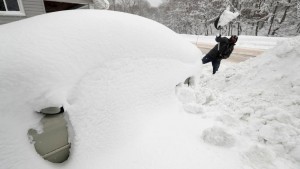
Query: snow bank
(113,73)
(258,102)
(217,136)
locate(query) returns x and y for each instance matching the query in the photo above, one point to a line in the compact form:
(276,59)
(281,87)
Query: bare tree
(272,17)
(258,17)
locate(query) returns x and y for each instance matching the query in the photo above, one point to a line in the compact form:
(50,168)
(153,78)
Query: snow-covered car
(113,73)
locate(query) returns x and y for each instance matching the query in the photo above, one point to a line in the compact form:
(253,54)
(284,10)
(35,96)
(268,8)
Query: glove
(220,56)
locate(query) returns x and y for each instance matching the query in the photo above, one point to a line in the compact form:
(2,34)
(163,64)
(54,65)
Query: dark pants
(214,61)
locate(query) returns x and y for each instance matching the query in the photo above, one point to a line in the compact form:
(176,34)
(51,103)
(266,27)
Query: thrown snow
(227,16)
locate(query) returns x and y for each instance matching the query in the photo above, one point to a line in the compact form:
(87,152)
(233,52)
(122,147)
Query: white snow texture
(113,73)
(227,16)
(255,105)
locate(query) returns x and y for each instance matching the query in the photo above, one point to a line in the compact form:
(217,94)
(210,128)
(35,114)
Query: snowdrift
(115,75)
(254,104)
(109,70)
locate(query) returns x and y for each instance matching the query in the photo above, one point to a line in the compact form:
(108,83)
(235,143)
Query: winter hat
(233,39)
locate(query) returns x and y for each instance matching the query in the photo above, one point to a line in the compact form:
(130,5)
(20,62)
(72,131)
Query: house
(13,10)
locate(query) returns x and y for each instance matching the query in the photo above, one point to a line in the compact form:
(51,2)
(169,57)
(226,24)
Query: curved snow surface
(114,73)
(255,107)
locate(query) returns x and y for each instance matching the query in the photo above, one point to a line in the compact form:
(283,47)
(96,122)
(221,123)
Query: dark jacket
(224,43)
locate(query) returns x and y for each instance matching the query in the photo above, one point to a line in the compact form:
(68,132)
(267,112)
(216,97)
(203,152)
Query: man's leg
(215,65)
(206,59)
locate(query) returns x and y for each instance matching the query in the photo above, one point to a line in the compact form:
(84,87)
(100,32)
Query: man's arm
(221,40)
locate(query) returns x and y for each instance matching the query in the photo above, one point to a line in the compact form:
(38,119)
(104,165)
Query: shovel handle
(219,35)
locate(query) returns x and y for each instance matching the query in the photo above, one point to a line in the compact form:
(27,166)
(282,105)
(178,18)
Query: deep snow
(256,106)
(116,73)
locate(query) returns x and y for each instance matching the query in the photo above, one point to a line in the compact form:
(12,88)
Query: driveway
(239,54)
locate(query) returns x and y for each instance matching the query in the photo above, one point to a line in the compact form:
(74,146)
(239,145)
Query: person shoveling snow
(225,46)
(215,55)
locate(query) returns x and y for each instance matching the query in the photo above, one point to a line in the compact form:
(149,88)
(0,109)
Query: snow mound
(218,136)
(257,100)
(295,153)
(193,108)
(259,157)
(262,95)
(111,71)
(186,94)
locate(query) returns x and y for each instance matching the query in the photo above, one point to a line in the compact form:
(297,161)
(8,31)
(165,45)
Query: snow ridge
(257,101)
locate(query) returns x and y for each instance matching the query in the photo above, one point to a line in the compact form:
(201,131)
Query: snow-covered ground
(254,42)
(115,74)
(255,106)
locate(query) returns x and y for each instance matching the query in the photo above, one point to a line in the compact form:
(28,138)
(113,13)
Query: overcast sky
(154,2)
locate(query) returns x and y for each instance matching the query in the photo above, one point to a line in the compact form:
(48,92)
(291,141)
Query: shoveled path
(238,55)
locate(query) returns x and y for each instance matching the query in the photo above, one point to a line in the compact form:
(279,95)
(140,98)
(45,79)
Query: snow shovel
(216,24)
(225,17)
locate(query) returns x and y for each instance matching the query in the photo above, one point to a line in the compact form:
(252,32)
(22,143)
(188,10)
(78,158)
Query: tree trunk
(285,12)
(272,19)
(252,29)
(298,30)
(257,23)
(256,29)
(114,4)
(238,29)
(274,31)
(206,29)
